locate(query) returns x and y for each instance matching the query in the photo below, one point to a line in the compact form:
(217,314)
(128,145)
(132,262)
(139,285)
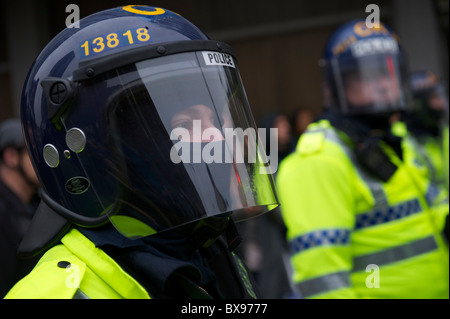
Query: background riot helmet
(365,71)
(430,100)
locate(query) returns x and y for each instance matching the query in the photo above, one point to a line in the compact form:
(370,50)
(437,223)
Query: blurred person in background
(18,201)
(300,120)
(445,161)
(264,247)
(364,218)
(426,121)
(279,121)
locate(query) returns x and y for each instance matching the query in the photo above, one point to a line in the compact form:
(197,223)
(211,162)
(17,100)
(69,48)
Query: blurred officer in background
(300,119)
(426,121)
(364,219)
(445,162)
(18,201)
(107,109)
(264,247)
(445,147)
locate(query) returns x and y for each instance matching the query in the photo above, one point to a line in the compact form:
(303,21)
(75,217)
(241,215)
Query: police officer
(120,117)
(363,216)
(18,201)
(426,121)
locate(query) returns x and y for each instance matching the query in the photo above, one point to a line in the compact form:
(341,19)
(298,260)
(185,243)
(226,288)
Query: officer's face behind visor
(370,84)
(166,119)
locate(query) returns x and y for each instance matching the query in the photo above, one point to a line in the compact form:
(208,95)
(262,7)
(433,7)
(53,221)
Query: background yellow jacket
(431,149)
(352,235)
(445,153)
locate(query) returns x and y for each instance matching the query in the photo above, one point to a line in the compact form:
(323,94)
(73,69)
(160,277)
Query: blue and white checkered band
(333,236)
(386,214)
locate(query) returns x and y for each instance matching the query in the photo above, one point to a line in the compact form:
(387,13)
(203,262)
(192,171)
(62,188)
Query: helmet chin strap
(380,121)
(375,122)
(73,217)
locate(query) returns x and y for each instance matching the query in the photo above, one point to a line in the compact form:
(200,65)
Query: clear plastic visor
(184,144)
(370,84)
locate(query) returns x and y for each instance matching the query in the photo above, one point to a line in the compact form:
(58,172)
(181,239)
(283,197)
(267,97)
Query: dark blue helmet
(365,70)
(105,110)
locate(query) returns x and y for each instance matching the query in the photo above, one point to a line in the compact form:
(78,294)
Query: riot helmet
(125,118)
(365,71)
(430,99)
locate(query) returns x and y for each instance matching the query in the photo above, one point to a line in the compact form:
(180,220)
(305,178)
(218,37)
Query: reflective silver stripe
(433,192)
(325,283)
(395,254)
(422,155)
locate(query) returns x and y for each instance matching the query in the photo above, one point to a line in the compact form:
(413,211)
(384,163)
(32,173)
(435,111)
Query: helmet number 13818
(113,40)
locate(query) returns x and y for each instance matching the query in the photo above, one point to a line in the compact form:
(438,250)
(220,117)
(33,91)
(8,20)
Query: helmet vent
(75,140)
(51,155)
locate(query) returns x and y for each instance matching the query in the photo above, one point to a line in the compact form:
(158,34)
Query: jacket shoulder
(322,138)
(320,150)
(56,276)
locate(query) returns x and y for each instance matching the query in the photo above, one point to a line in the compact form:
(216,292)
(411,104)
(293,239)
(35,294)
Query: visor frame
(89,69)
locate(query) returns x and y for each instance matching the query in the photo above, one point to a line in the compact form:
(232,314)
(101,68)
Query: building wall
(278,44)
(6,104)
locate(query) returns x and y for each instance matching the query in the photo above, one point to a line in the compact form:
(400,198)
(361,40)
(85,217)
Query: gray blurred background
(278,43)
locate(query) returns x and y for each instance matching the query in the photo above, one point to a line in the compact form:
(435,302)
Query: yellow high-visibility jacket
(431,149)
(76,269)
(445,154)
(352,235)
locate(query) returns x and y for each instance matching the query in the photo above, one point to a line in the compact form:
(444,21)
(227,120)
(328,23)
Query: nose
(384,89)
(210,132)
(383,84)
(207,123)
